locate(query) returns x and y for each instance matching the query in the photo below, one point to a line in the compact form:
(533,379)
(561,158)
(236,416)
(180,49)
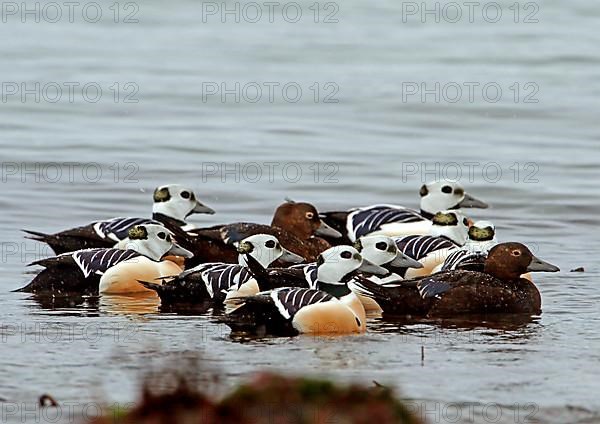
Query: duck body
(428,250)
(394,220)
(500,289)
(99,234)
(110,270)
(213,281)
(204,283)
(91,270)
(328,308)
(172,204)
(381,219)
(291,311)
(296,225)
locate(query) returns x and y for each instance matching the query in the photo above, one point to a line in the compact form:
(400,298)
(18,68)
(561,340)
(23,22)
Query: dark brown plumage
(296,226)
(499,289)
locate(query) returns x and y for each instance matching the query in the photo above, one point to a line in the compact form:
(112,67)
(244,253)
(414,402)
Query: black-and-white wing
(310,273)
(98,261)
(366,220)
(117,229)
(464,259)
(289,300)
(220,277)
(417,247)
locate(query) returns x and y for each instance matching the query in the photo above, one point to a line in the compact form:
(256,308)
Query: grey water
(347,104)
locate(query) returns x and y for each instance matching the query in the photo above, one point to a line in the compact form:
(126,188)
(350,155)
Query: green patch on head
(245,247)
(358,245)
(138,232)
(162,194)
(481,234)
(445,218)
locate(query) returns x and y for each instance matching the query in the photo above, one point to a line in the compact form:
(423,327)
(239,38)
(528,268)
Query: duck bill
(470,202)
(325,230)
(404,261)
(537,264)
(291,257)
(176,250)
(372,269)
(200,208)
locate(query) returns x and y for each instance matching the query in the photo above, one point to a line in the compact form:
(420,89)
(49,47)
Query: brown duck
(295,224)
(499,289)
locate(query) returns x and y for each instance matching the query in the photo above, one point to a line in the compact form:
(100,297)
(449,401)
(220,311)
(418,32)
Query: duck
(211,281)
(328,308)
(110,270)
(296,225)
(498,289)
(173,203)
(448,232)
(394,220)
(471,256)
(382,250)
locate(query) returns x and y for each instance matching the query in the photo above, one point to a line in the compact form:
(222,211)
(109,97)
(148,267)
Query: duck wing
(368,219)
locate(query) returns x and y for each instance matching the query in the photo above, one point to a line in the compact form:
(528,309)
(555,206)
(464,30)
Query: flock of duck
(306,272)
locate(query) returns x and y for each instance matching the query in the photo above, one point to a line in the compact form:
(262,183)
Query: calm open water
(354,117)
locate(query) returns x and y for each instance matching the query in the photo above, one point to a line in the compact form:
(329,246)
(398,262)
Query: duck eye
(447,189)
(516,253)
(162,236)
(459,191)
(346,255)
(382,245)
(466,222)
(185,194)
(424,191)
(270,244)
(309,215)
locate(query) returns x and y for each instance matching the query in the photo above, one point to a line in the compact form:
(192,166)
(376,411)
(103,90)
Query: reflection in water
(66,304)
(130,304)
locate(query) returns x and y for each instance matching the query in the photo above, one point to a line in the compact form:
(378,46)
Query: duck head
(381,250)
(178,202)
(508,261)
(155,242)
(266,249)
(481,236)
(443,195)
(302,220)
(336,262)
(452,225)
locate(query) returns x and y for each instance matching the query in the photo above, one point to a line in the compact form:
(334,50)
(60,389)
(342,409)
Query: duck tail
(368,288)
(36,235)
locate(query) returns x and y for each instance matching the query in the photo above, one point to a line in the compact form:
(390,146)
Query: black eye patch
(346,254)
(424,191)
(185,194)
(162,236)
(447,189)
(270,244)
(466,221)
(382,245)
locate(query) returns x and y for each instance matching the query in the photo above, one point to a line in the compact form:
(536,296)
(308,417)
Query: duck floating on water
(394,220)
(329,308)
(173,203)
(212,281)
(296,225)
(499,289)
(109,270)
